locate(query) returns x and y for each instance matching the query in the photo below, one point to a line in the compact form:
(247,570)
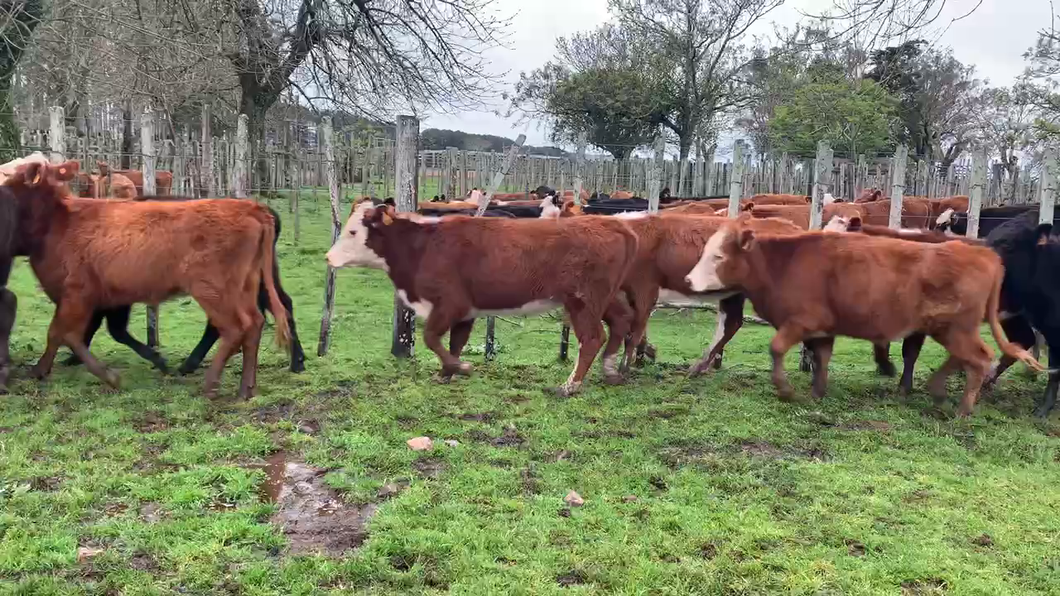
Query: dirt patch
(766,450)
(855,548)
(6,429)
(151,512)
(274,413)
(341,389)
(429,467)
(708,551)
(45,484)
(924,587)
(573,577)
(658,483)
(113,509)
(486,417)
(873,425)
(310,514)
(143,562)
(983,540)
(152,422)
(509,438)
(529,481)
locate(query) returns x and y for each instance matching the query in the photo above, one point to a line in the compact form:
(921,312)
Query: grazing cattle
(815,286)
(118,321)
(522,266)
(95,255)
(163,179)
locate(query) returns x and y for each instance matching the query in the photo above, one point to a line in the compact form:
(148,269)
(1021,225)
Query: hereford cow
(95,254)
(163,179)
(818,285)
(522,266)
(780,199)
(800,214)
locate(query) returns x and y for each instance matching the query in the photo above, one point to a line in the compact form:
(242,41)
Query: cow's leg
(1049,398)
(822,353)
(590,334)
(974,355)
(881,354)
(458,336)
(297,354)
(619,317)
(118,326)
(1018,330)
(8,309)
(936,383)
(438,322)
(730,320)
(786,337)
(225,317)
(911,347)
(94,324)
(210,335)
(68,327)
(250,345)
(642,300)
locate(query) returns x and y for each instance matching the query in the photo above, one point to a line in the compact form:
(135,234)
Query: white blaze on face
(704,276)
(351,248)
(838,223)
(549,209)
(944,217)
(828,199)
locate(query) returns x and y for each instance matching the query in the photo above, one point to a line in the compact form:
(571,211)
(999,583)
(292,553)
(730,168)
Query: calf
(519,266)
(91,255)
(163,179)
(817,285)
(118,321)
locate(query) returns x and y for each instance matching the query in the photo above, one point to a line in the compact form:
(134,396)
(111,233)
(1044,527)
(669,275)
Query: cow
(522,266)
(817,285)
(690,209)
(96,254)
(990,218)
(780,199)
(117,319)
(95,186)
(8,169)
(800,214)
(621,194)
(163,179)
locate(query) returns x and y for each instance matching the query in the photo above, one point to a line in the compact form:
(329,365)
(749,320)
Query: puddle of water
(312,516)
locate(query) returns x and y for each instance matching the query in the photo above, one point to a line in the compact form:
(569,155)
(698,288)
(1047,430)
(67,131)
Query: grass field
(705,486)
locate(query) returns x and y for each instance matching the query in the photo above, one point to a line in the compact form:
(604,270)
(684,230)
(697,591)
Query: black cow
(613,206)
(118,322)
(491,212)
(990,218)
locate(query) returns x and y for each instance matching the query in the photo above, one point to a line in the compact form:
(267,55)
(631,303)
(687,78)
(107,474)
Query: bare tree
(17,22)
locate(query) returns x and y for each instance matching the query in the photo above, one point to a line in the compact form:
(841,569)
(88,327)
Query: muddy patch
(766,450)
(312,516)
(143,562)
(274,413)
(676,456)
(708,551)
(573,577)
(45,484)
(429,467)
(152,422)
(486,417)
(924,587)
(509,438)
(855,548)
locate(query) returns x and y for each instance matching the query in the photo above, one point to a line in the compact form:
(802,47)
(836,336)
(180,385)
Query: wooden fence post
(147,168)
(1047,187)
(579,165)
(976,187)
(57,134)
(736,185)
(822,183)
(207,186)
(655,181)
(326,141)
(894,220)
(240,167)
(408,137)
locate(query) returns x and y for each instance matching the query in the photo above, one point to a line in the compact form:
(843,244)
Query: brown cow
(93,254)
(818,285)
(163,179)
(622,194)
(780,199)
(800,214)
(916,213)
(94,186)
(691,208)
(519,266)
(669,246)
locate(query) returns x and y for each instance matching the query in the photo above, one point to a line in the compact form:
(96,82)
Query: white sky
(993,38)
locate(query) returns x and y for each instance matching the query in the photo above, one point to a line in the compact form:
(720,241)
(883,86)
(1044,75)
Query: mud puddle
(311,515)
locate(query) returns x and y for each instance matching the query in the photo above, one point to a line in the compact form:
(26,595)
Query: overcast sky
(993,38)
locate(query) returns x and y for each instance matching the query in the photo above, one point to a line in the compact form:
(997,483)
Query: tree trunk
(126,135)
(682,179)
(19,23)
(254,101)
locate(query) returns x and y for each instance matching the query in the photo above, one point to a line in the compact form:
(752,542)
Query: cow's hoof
(442,378)
(185,370)
(246,392)
(962,413)
(113,379)
(788,395)
(1042,411)
(886,369)
(297,366)
(566,389)
(697,369)
(37,372)
(614,380)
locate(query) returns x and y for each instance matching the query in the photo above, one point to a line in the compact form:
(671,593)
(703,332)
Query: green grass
(736,493)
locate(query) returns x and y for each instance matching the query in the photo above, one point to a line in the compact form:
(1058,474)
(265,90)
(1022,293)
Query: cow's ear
(809,200)
(1043,233)
(748,207)
(854,225)
(34,173)
(747,239)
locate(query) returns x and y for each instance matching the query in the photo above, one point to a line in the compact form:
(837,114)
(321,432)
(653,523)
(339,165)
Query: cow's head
(549,210)
(359,245)
(724,261)
(841,223)
(869,195)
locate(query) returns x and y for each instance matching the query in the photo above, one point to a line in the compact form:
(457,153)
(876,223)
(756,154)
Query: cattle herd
(603,259)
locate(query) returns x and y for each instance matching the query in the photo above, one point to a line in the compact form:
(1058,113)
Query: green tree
(856,117)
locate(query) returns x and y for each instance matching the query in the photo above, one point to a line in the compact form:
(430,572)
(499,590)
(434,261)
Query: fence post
(822,183)
(655,182)
(1047,183)
(57,134)
(407,136)
(239,169)
(894,220)
(975,199)
(147,168)
(326,140)
(736,184)
(579,165)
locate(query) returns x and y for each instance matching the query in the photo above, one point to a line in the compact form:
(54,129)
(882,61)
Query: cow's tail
(266,262)
(1007,347)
